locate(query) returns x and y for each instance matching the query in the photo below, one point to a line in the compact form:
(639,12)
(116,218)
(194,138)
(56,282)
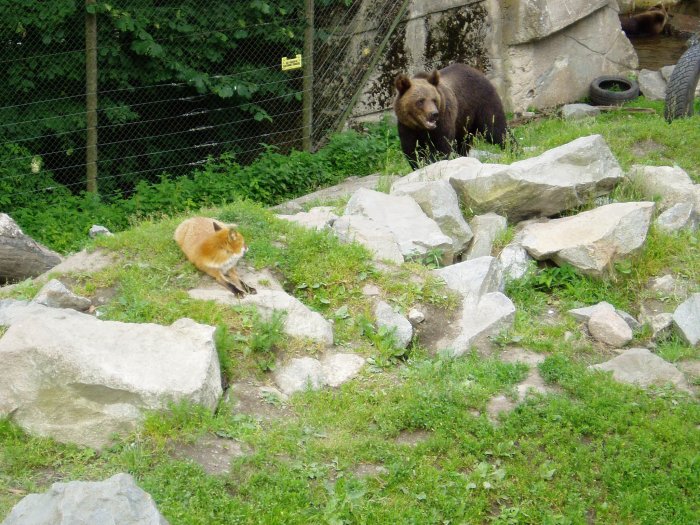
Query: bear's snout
(431,119)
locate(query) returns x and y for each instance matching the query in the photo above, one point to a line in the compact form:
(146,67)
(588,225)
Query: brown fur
(214,248)
(441,111)
(649,22)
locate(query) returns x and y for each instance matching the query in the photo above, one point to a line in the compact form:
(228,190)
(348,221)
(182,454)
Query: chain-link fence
(171,84)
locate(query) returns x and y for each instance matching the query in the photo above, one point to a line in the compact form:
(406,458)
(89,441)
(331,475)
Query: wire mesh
(178,83)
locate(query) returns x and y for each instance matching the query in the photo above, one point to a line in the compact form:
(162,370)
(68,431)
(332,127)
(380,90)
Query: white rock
(386,316)
(414,232)
(515,261)
(78,379)
(659,323)
(672,184)
(442,170)
(480,320)
(584,314)
(96,230)
(473,278)
(415,316)
(609,328)
(438,201)
(303,373)
(579,111)
(486,230)
(340,368)
(56,295)
(686,319)
(639,366)
(677,217)
(300,320)
(115,500)
(557,180)
(652,84)
(316,218)
(377,238)
(591,241)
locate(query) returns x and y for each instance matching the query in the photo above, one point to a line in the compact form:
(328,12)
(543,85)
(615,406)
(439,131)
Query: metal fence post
(308,72)
(91,97)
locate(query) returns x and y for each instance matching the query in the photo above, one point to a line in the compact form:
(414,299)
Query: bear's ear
(434,77)
(402,83)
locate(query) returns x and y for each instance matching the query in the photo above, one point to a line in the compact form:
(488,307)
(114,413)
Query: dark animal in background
(441,111)
(649,22)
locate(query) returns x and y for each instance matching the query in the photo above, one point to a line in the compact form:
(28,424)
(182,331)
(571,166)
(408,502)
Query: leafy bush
(61,220)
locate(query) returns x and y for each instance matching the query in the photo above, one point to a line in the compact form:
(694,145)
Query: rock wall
(538,53)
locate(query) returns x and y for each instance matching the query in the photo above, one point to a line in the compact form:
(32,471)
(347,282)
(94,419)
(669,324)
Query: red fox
(214,248)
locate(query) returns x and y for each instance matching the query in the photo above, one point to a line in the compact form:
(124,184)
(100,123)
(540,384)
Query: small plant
(265,337)
(384,340)
(432,258)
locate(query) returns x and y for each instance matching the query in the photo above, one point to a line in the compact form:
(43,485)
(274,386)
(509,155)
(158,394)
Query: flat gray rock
(117,500)
(686,319)
(56,295)
(385,316)
(302,373)
(640,367)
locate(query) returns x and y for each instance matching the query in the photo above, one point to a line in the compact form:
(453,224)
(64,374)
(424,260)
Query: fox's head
(230,239)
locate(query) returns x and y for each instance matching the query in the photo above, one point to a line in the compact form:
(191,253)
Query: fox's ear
(216,226)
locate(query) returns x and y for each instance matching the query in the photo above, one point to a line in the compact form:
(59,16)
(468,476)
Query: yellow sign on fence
(291,63)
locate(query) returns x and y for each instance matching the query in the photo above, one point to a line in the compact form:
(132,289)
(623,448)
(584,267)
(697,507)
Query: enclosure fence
(100,96)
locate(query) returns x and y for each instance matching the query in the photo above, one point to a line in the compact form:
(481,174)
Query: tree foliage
(178,81)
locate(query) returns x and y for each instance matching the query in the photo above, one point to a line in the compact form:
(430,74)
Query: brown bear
(441,111)
(649,22)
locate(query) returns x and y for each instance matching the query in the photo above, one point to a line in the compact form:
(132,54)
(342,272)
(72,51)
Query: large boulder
(557,180)
(115,500)
(78,379)
(21,257)
(414,232)
(376,237)
(591,241)
(439,201)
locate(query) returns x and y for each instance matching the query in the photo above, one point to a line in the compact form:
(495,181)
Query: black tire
(680,91)
(612,90)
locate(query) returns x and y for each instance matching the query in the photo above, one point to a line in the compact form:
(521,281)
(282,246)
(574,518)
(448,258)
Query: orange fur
(214,248)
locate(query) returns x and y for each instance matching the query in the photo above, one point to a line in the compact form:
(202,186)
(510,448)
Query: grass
(595,452)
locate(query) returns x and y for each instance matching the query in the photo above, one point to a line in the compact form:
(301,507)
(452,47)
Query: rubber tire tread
(603,97)
(680,91)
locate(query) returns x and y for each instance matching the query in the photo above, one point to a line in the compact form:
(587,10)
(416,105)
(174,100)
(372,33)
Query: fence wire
(177,83)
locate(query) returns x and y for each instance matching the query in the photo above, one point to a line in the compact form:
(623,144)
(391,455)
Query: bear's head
(660,17)
(418,101)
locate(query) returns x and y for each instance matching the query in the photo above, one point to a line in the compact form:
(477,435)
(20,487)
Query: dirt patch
(643,147)
(214,454)
(440,325)
(412,437)
(260,402)
(369,470)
